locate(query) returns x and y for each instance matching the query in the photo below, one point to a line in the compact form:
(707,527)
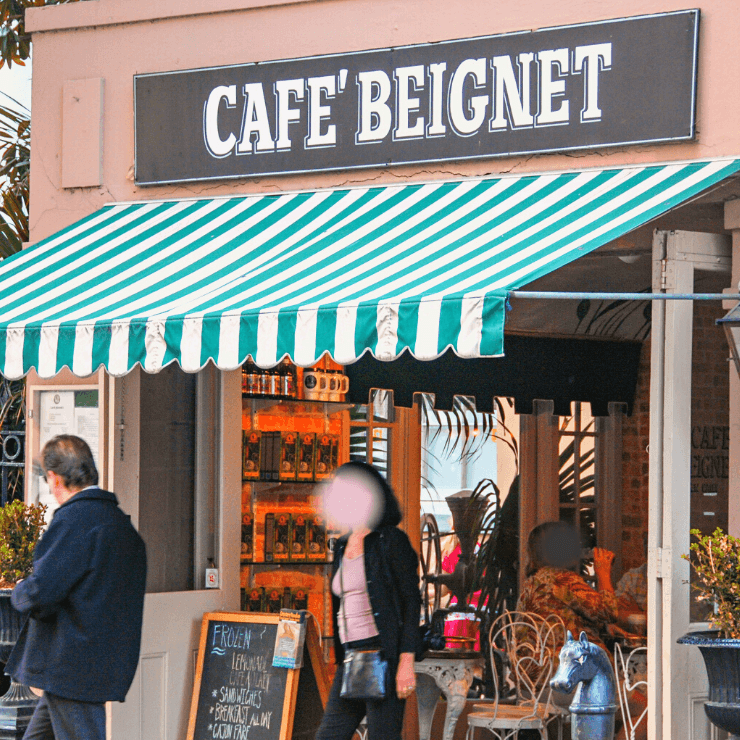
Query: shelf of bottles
(291,446)
(287,382)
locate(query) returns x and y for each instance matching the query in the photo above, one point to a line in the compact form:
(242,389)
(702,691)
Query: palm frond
(15,42)
(15,159)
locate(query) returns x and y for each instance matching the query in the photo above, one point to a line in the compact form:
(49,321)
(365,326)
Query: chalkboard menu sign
(238,694)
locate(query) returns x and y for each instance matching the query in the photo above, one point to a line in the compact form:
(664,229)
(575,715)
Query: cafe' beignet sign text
(600,84)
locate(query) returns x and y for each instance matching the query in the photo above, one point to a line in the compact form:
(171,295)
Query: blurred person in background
(553,587)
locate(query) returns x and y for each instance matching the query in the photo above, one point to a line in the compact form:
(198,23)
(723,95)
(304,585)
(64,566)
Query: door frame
(157,708)
(677,686)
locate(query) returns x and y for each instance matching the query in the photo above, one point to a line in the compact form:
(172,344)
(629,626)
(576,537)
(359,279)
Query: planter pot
(18,704)
(11,623)
(722,660)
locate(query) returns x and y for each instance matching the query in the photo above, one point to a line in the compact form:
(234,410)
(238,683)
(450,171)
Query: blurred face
(562,548)
(353,501)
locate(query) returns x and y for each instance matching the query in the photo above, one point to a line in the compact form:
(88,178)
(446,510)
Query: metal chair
(524,649)
(631,674)
(362,732)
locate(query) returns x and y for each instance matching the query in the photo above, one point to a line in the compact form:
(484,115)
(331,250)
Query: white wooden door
(158,703)
(677,682)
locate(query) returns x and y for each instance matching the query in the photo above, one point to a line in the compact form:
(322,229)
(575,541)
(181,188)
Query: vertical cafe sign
(609,83)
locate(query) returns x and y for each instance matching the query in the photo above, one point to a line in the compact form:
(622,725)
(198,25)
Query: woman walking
(375,599)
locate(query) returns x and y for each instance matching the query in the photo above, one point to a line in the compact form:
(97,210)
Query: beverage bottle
(251,376)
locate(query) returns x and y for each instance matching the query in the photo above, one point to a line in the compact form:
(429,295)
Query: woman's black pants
(343,716)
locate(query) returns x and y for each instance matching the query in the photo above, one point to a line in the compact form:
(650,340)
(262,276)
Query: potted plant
(20,529)
(715,559)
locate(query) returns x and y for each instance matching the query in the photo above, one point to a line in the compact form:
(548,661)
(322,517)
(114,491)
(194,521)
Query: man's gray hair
(71,459)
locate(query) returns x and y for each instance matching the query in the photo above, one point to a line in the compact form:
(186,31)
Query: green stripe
(101,346)
(248,335)
(136,342)
(366,328)
(449,323)
(492,335)
(173,340)
(31,344)
(66,346)
(326,330)
(210,339)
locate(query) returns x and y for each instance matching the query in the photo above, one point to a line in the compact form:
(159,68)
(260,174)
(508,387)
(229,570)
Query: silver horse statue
(594,705)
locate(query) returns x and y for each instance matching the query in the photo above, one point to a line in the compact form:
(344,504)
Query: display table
(448,672)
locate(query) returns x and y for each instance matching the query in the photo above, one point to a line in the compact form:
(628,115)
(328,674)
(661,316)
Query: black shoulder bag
(365,672)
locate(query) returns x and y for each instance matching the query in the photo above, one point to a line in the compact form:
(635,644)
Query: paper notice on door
(62,413)
(57,414)
(66,412)
(87,426)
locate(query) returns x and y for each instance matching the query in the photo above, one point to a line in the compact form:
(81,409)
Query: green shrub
(715,559)
(20,529)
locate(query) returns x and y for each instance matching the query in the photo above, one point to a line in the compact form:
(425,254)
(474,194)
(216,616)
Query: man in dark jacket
(84,600)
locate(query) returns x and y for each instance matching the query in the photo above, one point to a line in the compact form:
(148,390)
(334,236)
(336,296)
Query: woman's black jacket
(391,566)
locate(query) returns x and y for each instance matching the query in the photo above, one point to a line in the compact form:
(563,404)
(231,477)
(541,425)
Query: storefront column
(732,222)
(676,678)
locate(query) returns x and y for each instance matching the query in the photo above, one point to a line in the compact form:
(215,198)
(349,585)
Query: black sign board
(237,693)
(593,85)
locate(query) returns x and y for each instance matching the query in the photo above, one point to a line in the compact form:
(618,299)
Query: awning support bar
(581,296)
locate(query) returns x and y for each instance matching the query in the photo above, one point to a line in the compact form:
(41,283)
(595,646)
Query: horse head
(578,662)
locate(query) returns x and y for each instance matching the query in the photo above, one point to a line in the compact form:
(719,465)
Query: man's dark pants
(65,719)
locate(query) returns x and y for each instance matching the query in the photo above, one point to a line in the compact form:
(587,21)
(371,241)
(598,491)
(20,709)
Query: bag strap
(341,586)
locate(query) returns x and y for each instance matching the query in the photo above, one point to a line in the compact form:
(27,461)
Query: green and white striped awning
(419,266)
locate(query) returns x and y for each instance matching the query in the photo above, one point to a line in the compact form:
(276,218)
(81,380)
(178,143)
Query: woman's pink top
(355,606)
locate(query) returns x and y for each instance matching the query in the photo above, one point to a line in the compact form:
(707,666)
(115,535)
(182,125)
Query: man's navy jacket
(85,600)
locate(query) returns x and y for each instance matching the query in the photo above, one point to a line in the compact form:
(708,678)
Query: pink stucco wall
(114,39)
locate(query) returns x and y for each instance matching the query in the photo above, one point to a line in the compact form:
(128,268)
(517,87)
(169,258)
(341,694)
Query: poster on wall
(66,412)
(710,478)
(619,82)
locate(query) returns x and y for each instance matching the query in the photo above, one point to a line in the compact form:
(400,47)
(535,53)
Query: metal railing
(12,455)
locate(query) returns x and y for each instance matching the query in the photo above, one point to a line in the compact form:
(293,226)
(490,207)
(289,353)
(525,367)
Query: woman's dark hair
(554,544)
(71,459)
(391,511)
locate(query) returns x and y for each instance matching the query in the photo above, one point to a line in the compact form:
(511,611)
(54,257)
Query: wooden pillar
(608,455)
(406,469)
(539,482)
